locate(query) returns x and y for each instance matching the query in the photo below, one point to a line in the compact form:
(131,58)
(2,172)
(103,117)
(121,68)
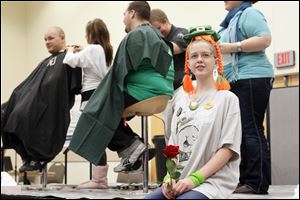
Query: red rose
(171,151)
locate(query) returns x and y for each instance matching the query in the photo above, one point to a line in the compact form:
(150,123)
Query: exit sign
(284,59)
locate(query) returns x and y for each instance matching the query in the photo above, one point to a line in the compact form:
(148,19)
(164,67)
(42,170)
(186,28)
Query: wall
(23,25)
(281,16)
(285,81)
(13,46)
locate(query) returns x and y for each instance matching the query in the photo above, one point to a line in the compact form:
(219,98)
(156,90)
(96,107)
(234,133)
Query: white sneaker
(127,162)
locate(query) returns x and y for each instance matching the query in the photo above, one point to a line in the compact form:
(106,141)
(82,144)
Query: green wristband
(194,180)
(166,177)
(197,178)
(200,176)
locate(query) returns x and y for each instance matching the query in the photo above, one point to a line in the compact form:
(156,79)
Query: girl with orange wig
(205,125)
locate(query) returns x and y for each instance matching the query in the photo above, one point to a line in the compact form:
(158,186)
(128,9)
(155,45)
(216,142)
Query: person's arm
(176,49)
(79,57)
(74,48)
(252,44)
(179,45)
(218,161)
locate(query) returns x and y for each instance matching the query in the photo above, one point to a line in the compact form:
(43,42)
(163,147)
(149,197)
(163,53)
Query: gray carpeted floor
(70,192)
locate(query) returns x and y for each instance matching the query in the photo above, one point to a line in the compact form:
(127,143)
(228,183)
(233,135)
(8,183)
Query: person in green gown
(142,68)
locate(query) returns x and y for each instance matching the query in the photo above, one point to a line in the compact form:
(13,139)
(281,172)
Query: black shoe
(246,189)
(30,166)
(25,163)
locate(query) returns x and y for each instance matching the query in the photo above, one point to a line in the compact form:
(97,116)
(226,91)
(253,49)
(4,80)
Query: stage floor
(70,192)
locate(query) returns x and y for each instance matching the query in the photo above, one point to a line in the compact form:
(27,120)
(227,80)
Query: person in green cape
(143,68)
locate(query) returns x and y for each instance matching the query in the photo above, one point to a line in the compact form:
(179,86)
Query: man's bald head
(55,39)
(59,30)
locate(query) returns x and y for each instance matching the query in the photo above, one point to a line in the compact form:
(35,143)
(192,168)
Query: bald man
(55,40)
(36,116)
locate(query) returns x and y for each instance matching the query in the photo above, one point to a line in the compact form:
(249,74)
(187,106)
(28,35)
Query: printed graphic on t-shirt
(190,124)
(187,138)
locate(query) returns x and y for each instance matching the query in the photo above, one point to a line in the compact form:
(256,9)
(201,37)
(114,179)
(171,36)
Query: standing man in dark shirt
(35,119)
(173,34)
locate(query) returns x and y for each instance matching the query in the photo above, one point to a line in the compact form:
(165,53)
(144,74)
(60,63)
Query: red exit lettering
(283,58)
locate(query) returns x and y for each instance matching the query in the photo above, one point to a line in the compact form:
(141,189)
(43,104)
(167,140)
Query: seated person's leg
(3,107)
(128,145)
(29,164)
(157,194)
(11,141)
(99,176)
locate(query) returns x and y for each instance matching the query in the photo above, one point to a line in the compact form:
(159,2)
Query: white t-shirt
(201,132)
(92,60)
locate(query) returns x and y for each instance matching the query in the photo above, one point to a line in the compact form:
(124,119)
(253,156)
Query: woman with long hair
(95,61)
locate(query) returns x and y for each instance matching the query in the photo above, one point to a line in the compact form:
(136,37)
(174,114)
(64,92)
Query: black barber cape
(38,111)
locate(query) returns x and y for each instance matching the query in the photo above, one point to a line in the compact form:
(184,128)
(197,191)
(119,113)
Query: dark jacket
(38,111)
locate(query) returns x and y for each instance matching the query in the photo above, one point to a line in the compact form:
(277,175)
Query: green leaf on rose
(176,176)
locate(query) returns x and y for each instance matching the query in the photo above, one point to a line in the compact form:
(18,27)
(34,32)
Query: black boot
(30,166)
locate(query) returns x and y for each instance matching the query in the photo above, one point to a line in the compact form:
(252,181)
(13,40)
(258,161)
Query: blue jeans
(158,194)
(254,96)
